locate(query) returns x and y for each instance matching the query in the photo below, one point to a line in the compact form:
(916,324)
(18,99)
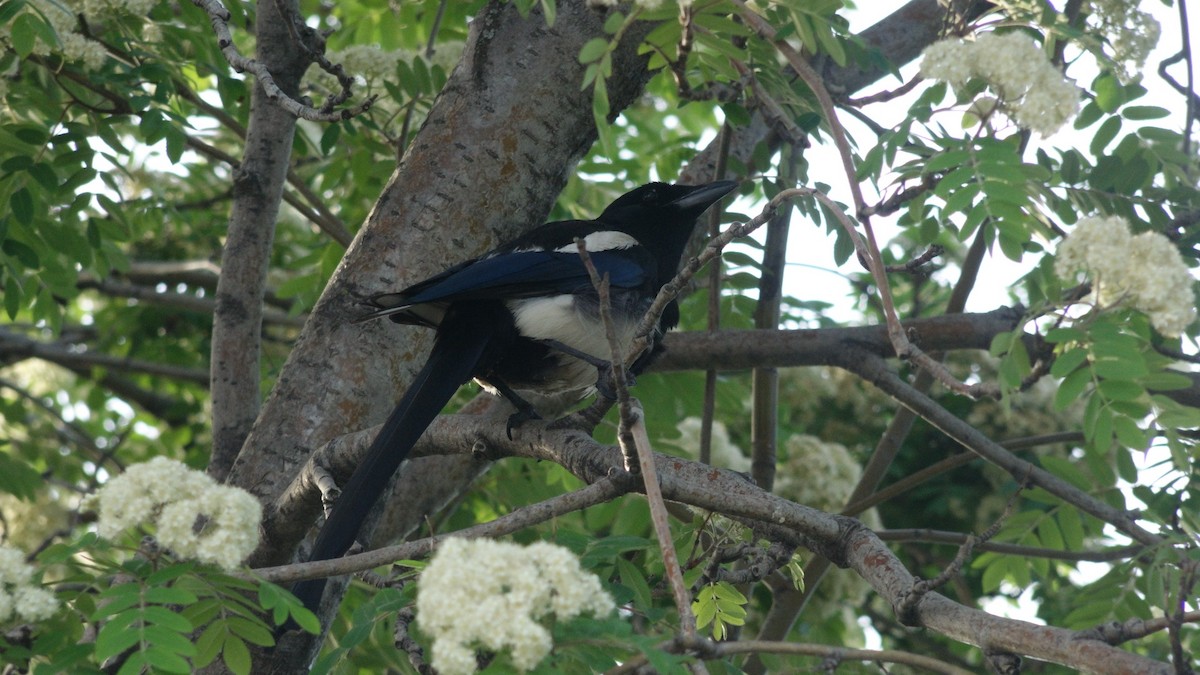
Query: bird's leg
(525,409)
(604,383)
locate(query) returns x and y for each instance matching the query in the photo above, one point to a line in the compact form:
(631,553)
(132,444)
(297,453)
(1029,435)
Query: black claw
(606,386)
(518,418)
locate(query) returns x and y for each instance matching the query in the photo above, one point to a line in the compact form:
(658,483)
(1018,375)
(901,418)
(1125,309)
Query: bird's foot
(605,383)
(520,417)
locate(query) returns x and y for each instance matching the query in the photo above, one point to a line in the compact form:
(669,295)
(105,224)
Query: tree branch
(14,347)
(872,369)
(258,188)
(843,540)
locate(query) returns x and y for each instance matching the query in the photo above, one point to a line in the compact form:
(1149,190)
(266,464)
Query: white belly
(575,322)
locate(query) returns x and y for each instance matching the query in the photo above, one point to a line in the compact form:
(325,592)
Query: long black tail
(456,353)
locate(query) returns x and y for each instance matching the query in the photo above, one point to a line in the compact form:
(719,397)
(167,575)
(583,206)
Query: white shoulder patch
(604,240)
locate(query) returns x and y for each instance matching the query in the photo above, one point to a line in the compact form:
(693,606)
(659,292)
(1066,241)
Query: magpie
(523,318)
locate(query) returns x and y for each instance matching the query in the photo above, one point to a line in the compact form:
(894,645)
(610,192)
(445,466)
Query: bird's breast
(574,320)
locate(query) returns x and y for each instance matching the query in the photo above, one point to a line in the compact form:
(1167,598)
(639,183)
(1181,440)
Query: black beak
(703,196)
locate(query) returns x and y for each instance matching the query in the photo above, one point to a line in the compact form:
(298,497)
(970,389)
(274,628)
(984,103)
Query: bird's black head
(661,217)
(654,203)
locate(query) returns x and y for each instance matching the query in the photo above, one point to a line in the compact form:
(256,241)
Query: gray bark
(257,190)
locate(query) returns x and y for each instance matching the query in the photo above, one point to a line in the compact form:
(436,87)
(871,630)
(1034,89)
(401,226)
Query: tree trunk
(495,150)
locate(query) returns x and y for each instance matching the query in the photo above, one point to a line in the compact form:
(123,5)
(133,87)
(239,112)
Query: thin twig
(601,491)
(1192,99)
(1187,581)
(1116,633)
(715,273)
(674,287)
(633,441)
(616,365)
(923,586)
(948,464)
(927,536)
(433,31)
(14,347)
(914,266)
(885,95)
(873,259)
(219,18)
(873,369)
(764,380)
(832,654)
(658,517)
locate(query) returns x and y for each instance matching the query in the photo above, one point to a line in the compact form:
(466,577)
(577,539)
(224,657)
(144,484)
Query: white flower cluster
(102,8)
(724,453)
(1133,33)
(73,46)
(1031,90)
(63,17)
(808,456)
(369,61)
(178,500)
(1145,270)
(19,597)
(491,594)
(26,523)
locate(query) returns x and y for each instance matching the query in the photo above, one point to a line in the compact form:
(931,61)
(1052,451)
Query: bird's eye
(651,197)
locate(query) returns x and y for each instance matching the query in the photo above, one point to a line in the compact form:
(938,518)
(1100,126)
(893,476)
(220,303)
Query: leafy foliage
(120,144)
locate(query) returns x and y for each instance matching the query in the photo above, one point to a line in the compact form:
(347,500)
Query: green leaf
(633,577)
(1165,380)
(165,595)
(592,50)
(614,22)
(1067,362)
(114,638)
(166,660)
(254,632)
(134,665)
(1067,471)
(164,638)
(1109,95)
(1126,469)
(164,617)
(236,655)
(1049,535)
(952,159)
(209,644)
(161,576)
(1104,135)
(1120,369)
(45,176)
(1119,390)
(9,9)
(1100,432)
(18,478)
(1129,434)
(1071,388)
(600,105)
(993,574)
(1071,527)
(1145,112)
(23,34)
(21,203)
(16,163)
(329,139)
